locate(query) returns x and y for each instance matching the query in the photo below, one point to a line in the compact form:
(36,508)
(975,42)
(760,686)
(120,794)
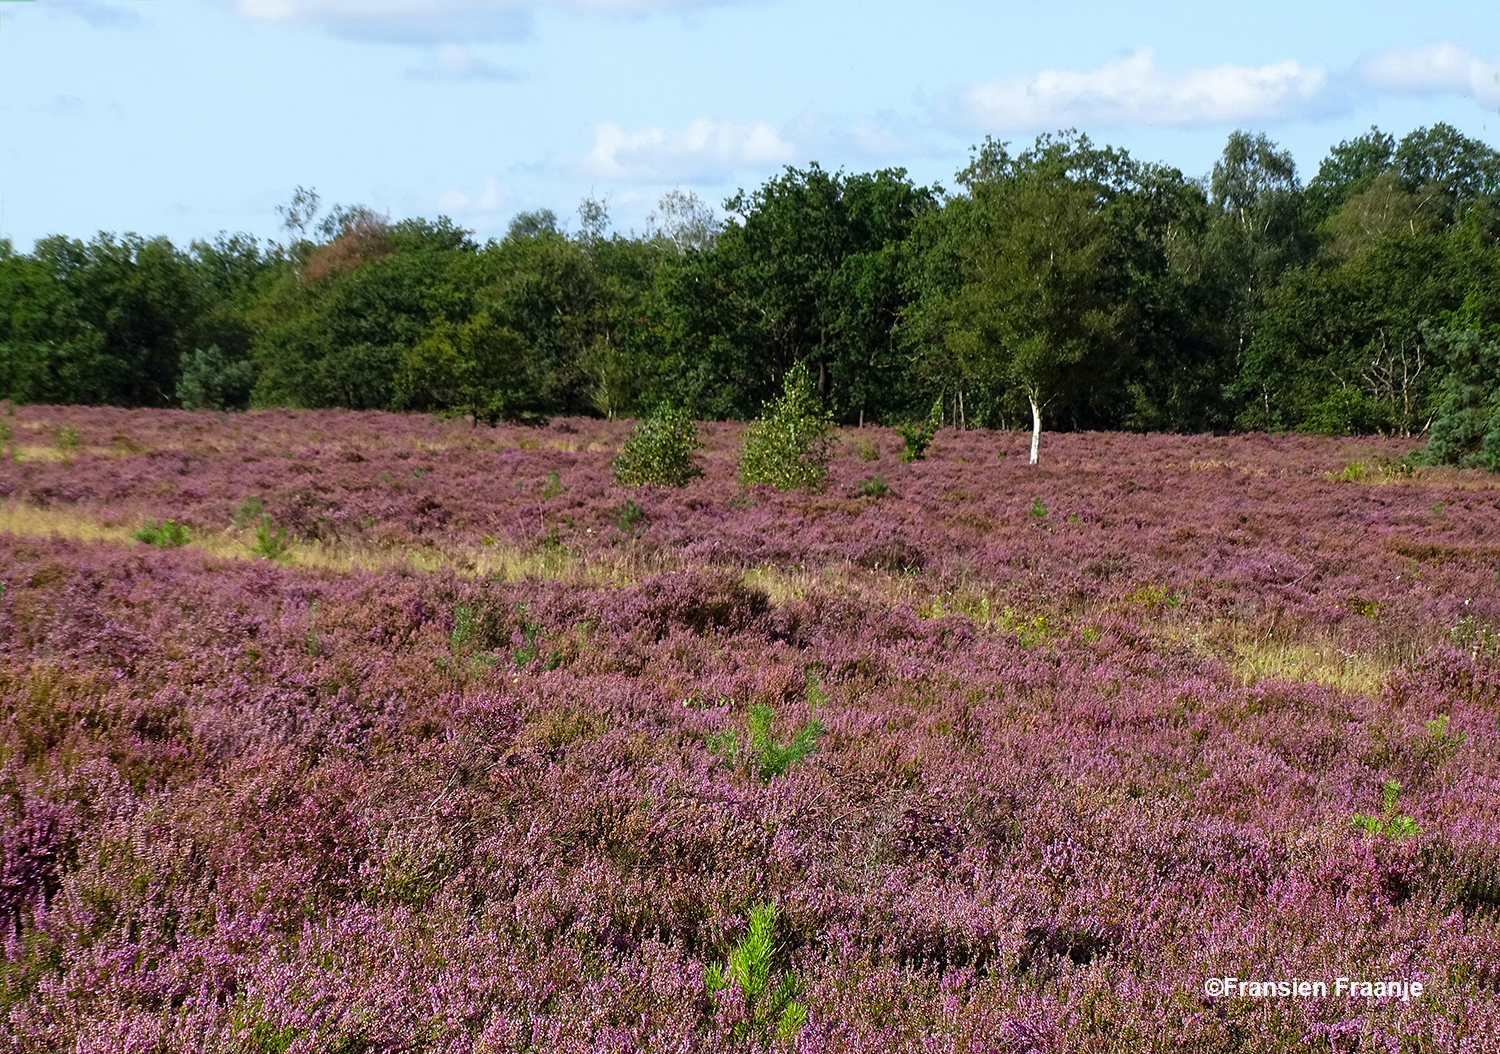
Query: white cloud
(1135,91)
(490,198)
(455,62)
(1434,68)
(436,20)
(705,149)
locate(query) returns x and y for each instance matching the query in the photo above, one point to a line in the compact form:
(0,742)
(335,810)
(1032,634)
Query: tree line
(1065,284)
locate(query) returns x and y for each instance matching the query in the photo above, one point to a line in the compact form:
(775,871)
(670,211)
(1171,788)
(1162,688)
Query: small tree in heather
(660,450)
(791,444)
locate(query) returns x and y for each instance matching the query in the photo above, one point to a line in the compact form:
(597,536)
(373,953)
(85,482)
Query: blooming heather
(394,793)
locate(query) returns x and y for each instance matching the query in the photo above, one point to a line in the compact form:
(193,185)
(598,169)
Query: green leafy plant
(660,450)
(169,534)
(919,437)
(210,380)
(769,758)
(629,517)
(1389,823)
(247,512)
(270,544)
(771,1008)
(872,488)
(868,451)
(1037,510)
(789,446)
(530,647)
(66,438)
(553,487)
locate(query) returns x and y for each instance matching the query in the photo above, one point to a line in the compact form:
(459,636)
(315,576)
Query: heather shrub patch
(345,803)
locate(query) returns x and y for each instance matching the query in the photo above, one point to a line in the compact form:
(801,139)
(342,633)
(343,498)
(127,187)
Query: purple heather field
(469,766)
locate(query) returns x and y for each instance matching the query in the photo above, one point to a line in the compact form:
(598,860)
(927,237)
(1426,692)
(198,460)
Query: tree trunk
(1036,426)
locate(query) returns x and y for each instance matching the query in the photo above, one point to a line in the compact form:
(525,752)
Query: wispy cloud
(96,13)
(1135,91)
(454,62)
(704,150)
(1433,68)
(491,197)
(430,21)
(63,105)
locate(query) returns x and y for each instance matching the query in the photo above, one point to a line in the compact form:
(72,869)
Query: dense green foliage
(1067,285)
(789,447)
(660,450)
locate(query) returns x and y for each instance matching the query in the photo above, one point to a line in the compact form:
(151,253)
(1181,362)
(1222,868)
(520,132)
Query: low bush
(270,544)
(790,446)
(169,534)
(918,437)
(660,450)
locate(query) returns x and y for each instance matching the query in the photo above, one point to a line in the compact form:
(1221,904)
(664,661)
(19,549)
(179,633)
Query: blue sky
(187,117)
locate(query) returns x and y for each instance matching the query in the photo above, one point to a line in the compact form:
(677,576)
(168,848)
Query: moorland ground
(403,735)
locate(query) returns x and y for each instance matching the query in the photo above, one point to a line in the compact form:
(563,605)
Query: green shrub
(660,450)
(749,968)
(874,487)
(919,437)
(868,451)
(210,380)
(769,758)
(630,516)
(248,512)
(169,534)
(1038,509)
(270,544)
(553,487)
(66,438)
(1389,823)
(789,446)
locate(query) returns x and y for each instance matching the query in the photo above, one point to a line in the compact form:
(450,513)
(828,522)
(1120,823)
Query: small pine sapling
(270,544)
(169,534)
(1388,823)
(749,968)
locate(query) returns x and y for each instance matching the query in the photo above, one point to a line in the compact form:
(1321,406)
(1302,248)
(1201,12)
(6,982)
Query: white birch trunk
(1036,426)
